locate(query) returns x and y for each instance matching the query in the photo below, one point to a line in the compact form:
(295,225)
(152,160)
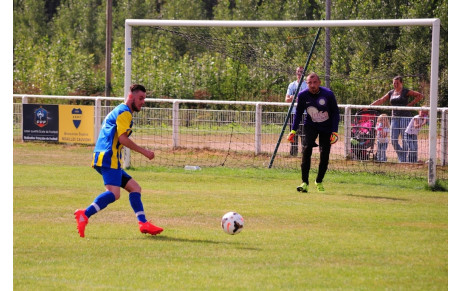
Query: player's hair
(399,78)
(137,87)
(313,74)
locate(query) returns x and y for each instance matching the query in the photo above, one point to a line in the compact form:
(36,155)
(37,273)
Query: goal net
(222,69)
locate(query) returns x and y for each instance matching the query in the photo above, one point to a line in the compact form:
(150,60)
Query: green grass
(367,232)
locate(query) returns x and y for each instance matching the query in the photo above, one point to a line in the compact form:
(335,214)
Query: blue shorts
(113,177)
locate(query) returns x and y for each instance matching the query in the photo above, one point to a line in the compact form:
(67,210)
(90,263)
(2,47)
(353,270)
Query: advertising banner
(40,122)
(58,123)
(76,124)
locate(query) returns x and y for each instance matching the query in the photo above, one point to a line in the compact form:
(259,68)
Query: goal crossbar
(285,23)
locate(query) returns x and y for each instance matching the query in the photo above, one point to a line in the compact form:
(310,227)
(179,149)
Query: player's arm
(123,131)
(335,114)
(127,142)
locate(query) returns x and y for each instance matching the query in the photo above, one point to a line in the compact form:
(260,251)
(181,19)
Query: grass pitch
(366,232)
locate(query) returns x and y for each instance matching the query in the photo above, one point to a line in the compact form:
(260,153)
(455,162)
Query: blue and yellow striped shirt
(107,152)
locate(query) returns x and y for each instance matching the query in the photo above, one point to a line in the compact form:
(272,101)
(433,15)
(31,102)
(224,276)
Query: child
(410,135)
(383,128)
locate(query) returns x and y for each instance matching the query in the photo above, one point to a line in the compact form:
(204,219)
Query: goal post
(434,23)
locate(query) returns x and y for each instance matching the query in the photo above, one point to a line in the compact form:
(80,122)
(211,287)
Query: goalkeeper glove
(334,137)
(291,136)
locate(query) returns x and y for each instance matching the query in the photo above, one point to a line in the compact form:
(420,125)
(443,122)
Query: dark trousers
(310,135)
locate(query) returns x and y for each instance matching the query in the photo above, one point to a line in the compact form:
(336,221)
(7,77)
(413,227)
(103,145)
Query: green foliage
(58,69)
(29,20)
(59,48)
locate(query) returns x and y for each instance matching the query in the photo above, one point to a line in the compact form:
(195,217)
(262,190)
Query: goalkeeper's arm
(295,123)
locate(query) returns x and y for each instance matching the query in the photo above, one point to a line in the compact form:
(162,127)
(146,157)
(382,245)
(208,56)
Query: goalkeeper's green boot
(303,187)
(319,186)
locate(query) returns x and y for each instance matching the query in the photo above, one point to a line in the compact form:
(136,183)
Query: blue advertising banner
(40,122)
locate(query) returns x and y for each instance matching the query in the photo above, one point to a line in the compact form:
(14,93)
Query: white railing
(259,144)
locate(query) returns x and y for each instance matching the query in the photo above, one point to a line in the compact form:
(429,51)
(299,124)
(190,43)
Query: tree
(64,41)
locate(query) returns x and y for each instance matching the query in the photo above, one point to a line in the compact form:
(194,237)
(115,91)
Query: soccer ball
(232,223)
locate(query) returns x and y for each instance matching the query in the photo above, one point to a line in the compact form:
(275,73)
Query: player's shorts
(113,177)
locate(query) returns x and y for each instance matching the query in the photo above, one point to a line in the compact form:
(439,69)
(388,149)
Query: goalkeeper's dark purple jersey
(322,110)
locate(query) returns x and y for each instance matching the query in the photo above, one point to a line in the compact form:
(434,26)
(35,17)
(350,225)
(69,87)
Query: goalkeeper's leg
(310,135)
(325,149)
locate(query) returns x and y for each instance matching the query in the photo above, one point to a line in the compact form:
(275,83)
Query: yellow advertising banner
(76,124)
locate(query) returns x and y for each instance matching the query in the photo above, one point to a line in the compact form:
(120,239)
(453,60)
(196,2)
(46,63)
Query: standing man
(107,155)
(322,121)
(289,97)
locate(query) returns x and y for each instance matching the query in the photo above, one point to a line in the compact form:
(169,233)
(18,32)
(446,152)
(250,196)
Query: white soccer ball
(232,223)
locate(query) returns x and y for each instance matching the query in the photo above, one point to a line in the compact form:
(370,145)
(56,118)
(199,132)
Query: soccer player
(114,134)
(322,121)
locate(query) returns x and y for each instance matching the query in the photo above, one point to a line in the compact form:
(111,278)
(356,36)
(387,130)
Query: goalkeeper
(322,119)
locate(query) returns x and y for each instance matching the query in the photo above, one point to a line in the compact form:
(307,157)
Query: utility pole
(327,58)
(108,49)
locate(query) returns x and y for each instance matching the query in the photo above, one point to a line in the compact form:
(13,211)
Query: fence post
(24,100)
(97,117)
(175,124)
(444,140)
(258,129)
(347,131)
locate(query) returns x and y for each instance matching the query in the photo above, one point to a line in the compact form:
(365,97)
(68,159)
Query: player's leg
(112,181)
(324,149)
(310,135)
(134,189)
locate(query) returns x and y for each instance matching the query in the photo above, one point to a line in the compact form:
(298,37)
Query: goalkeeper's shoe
(303,187)
(82,221)
(147,227)
(319,186)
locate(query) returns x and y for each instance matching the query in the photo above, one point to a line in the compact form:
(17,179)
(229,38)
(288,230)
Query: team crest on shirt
(41,117)
(322,101)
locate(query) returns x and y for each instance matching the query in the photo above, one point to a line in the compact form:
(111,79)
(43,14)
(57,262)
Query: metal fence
(245,134)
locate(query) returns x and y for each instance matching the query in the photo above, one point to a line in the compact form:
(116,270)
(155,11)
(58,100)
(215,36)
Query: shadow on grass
(205,241)
(377,197)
